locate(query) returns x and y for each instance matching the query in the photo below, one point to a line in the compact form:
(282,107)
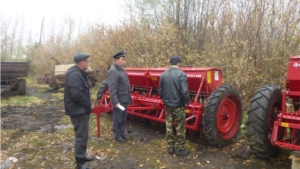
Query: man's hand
(88,110)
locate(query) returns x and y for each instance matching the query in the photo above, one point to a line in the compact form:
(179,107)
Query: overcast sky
(33,11)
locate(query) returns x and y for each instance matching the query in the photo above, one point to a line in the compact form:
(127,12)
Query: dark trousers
(119,122)
(81,129)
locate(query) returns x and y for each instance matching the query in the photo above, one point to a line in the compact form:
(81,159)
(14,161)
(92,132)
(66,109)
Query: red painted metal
(293,77)
(148,104)
(227,115)
(289,122)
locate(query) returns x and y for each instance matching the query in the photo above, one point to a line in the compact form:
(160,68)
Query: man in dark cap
(119,92)
(173,89)
(78,105)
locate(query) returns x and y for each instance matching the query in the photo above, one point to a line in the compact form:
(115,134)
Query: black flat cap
(79,56)
(175,59)
(119,54)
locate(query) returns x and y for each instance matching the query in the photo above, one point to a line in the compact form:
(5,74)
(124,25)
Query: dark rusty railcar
(12,76)
(56,79)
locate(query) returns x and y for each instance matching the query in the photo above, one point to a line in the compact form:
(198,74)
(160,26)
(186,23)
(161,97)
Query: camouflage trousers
(175,116)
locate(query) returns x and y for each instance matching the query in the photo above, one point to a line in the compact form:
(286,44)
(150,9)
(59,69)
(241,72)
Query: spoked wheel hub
(226,119)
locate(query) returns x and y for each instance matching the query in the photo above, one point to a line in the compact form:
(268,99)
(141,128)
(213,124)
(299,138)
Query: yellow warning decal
(208,76)
(284,124)
(187,111)
(154,78)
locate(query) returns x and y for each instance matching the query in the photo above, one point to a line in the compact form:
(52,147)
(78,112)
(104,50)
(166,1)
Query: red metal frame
(227,116)
(148,104)
(289,122)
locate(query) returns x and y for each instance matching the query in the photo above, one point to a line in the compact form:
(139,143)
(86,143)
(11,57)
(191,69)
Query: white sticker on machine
(216,75)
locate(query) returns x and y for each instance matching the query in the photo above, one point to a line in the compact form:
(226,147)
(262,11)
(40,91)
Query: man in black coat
(173,90)
(77,100)
(119,92)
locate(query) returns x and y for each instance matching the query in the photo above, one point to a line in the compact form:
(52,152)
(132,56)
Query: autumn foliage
(250,40)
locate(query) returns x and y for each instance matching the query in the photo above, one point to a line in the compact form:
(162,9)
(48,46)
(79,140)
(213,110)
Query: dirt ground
(146,148)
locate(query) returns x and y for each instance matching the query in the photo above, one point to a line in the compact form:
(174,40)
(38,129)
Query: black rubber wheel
(264,108)
(41,80)
(91,81)
(21,86)
(51,80)
(222,116)
(55,88)
(102,89)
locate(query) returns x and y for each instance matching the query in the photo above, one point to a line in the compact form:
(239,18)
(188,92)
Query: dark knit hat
(175,59)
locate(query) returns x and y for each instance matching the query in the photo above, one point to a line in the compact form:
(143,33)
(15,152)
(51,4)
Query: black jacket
(118,86)
(173,87)
(76,93)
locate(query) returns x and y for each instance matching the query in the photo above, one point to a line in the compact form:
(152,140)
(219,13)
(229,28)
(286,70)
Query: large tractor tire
(91,81)
(102,89)
(222,116)
(264,109)
(21,86)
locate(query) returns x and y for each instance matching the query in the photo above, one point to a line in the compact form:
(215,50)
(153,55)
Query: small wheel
(264,109)
(222,116)
(41,80)
(51,79)
(21,86)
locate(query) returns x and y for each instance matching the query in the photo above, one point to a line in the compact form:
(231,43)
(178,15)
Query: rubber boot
(86,159)
(171,150)
(183,152)
(80,164)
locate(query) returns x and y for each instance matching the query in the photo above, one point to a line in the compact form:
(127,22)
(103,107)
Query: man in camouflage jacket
(173,89)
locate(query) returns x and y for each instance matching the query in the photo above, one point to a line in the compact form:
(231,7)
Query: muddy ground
(146,148)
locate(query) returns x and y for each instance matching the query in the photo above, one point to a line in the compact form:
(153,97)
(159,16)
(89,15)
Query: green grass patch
(67,132)
(7,133)
(41,90)
(192,146)
(94,91)
(65,120)
(35,140)
(58,96)
(157,143)
(21,101)
(43,150)
(28,150)
(31,80)
(105,123)
(243,128)
(57,100)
